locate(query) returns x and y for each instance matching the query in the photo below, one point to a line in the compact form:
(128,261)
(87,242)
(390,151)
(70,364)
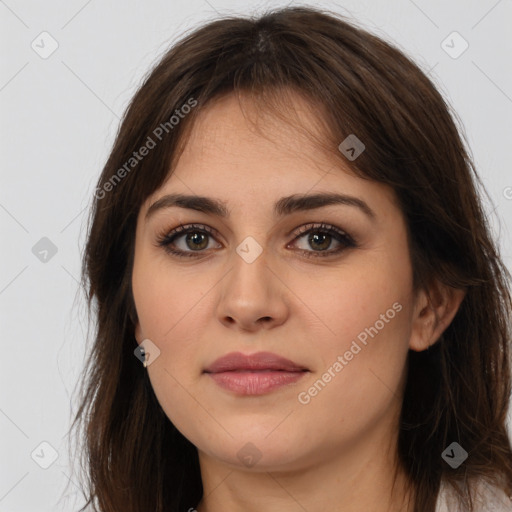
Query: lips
(255,374)
(261,361)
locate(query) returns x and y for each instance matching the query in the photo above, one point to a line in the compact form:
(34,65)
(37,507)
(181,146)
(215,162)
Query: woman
(299,304)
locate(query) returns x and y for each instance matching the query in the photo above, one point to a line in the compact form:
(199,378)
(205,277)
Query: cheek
(175,312)
(366,301)
(357,382)
(362,338)
(170,306)
(165,298)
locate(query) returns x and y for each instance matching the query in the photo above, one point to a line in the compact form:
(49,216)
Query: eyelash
(167,238)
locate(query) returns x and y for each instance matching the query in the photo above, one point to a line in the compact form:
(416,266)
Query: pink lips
(254,374)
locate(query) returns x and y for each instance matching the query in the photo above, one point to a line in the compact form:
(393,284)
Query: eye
(320,236)
(193,240)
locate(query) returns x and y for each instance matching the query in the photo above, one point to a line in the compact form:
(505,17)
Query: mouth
(254,374)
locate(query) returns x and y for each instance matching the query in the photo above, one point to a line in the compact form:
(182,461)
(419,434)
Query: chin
(258,453)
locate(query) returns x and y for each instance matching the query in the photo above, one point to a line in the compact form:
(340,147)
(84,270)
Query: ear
(432,315)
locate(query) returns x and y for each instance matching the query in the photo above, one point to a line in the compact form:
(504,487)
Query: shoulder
(488,498)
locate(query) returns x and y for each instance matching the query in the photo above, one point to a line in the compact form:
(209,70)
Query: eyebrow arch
(284,206)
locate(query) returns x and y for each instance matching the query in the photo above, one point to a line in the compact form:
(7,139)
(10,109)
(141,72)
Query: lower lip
(255,383)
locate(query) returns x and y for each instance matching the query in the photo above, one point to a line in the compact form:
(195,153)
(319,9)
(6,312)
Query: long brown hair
(458,390)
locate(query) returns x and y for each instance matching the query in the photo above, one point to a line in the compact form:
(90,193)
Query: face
(328,287)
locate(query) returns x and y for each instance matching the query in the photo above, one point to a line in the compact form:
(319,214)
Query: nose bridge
(250,273)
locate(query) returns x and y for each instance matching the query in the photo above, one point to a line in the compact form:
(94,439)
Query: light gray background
(59,117)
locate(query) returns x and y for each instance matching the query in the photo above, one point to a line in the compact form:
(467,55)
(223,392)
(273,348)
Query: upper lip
(259,361)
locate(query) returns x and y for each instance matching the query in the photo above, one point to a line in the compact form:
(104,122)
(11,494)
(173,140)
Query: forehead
(241,152)
(238,128)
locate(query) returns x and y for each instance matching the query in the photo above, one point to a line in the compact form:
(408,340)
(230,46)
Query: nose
(252,296)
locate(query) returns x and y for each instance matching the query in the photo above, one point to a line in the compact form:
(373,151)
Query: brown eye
(187,241)
(320,238)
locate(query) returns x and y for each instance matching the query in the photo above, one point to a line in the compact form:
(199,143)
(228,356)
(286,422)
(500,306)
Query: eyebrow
(284,206)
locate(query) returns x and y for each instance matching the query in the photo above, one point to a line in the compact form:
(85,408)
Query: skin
(337,452)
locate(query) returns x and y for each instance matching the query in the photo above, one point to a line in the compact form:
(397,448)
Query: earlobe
(432,315)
